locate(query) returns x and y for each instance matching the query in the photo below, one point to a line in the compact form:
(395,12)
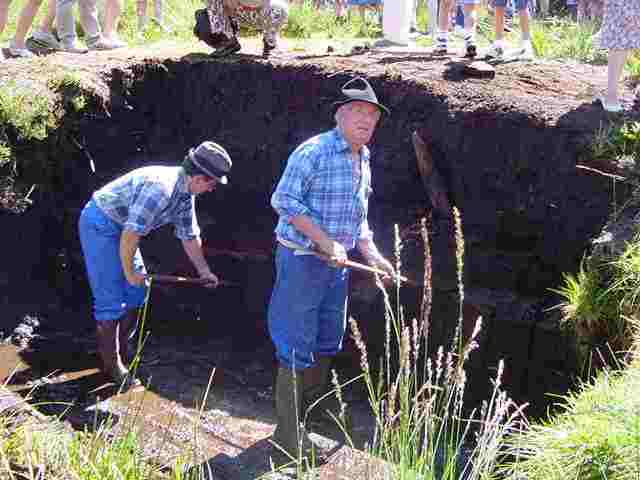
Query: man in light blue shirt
(322,202)
(111,226)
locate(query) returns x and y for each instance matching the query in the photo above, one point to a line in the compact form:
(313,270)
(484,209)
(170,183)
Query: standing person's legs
(4,16)
(273,19)
(4,13)
(158,15)
(414,17)
(88,10)
(442,37)
(525,30)
(470,21)
(301,284)
(615,65)
(17,47)
(100,241)
(112,12)
(66,26)
(497,47)
(141,11)
(43,37)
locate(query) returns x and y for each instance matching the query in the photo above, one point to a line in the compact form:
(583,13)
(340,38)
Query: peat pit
(506,159)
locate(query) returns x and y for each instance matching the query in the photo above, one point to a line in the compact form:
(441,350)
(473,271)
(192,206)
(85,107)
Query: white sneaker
(99,43)
(526,50)
(595,39)
(73,48)
(45,40)
(115,42)
(496,50)
(19,52)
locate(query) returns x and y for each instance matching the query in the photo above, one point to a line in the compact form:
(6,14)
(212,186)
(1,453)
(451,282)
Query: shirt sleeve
(288,200)
(186,222)
(364,232)
(149,201)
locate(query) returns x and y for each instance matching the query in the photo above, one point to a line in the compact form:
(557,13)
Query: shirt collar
(341,143)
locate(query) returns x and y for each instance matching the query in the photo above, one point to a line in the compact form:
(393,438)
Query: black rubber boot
(107,340)
(317,384)
(127,326)
(290,434)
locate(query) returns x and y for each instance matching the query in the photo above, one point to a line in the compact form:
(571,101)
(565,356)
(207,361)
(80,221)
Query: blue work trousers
(307,312)
(100,236)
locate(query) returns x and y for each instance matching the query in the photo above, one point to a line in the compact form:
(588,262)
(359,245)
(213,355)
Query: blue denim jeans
(307,312)
(100,236)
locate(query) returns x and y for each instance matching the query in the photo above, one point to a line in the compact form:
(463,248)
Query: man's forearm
(193,249)
(369,250)
(313,232)
(128,245)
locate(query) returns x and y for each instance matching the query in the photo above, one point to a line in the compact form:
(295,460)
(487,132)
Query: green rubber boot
(317,384)
(290,435)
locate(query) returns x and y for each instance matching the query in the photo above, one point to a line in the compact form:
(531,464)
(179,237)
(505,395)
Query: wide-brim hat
(359,90)
(212,160)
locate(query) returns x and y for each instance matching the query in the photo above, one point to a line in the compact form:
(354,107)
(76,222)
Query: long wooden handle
(361,266)
(367,268)
(188,280)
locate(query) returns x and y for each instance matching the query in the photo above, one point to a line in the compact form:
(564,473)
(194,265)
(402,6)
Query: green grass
(597,437)
(423,429)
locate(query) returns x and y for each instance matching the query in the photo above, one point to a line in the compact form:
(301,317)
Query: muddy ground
(507,148)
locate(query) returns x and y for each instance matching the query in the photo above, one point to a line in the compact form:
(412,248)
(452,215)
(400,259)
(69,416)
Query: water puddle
(229,428)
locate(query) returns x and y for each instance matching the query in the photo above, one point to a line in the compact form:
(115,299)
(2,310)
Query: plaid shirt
(320,182)
(148,198)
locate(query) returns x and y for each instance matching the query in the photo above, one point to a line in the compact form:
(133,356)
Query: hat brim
(384,110)
(224,180)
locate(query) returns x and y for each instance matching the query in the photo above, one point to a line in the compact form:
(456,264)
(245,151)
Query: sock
(469,37)
(442,38)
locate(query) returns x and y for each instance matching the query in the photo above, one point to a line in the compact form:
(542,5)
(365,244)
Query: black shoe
(440,49)
(267,47)
(229,48)
(471,51)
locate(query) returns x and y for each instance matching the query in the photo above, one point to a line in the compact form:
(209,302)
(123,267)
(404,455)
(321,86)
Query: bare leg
(470,30)
(141,10)
(470,20)
(616,61)
(112,11)
(524,25)
(499,14)
(442,36)
(46,25)
(4,13)
(157,10)
(27,14)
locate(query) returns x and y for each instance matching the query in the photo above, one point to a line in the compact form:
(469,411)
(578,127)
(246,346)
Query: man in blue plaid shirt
(111,226)
(322,201)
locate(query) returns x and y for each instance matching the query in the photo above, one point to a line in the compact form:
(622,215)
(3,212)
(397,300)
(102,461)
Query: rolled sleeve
(288,200)
(364,232)
(186,222)
(146,206)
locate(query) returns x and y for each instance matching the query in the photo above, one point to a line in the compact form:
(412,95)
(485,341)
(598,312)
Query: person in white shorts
(497,48)
(442,36)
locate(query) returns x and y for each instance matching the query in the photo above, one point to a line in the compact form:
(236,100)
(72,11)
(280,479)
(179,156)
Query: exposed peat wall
(528,214)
